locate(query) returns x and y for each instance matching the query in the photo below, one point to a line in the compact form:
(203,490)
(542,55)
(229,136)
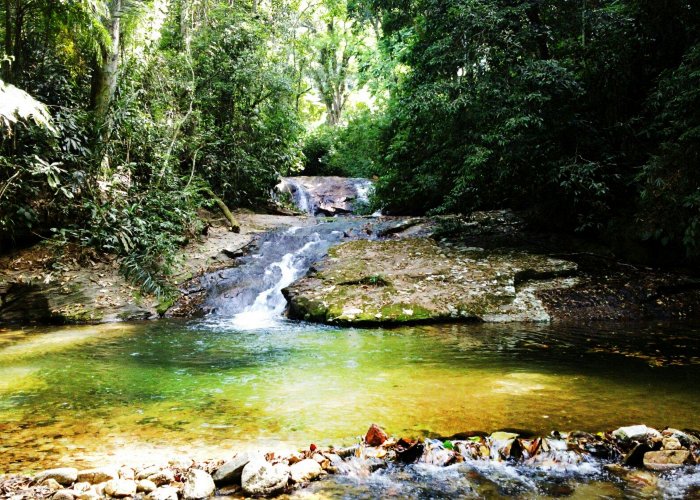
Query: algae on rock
(416,279)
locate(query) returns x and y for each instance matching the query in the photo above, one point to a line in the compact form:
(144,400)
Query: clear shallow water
(97,394)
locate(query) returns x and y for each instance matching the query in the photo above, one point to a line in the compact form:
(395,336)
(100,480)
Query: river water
(248,378)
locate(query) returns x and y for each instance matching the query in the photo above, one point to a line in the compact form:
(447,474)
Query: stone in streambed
(120,488)
(163,493)
(305,471)
(145,486)
(96,476)
(685,438)
(64,495)
(162,477)
(230,472)
(198,485)
(64,475)
(635,433)
(260,477)
(666,459)
(375,436)
(51,484)
(126,473)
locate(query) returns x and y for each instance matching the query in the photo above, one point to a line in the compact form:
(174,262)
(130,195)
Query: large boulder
(417,280)
(262,478)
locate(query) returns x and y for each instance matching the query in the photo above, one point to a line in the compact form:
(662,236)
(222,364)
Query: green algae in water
(79,395)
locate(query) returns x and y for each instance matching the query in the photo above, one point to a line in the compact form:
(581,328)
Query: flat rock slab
(418,280)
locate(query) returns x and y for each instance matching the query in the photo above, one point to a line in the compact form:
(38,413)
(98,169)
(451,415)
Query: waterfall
(250,295)
(326,195)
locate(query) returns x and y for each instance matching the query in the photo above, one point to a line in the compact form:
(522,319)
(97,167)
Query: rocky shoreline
(634,456)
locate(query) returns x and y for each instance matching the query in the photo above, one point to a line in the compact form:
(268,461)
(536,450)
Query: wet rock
(408,451)
(260,477)
(666,459)
(635,433)
(145,486)
(437,455)
(96,476)
(347,452)
(64,475)
(64,495)
(505,445)
(198,484)
(375,436)
(163,493)
(635,457)
(120,488)
(230,472)
(305,471)
(162,477)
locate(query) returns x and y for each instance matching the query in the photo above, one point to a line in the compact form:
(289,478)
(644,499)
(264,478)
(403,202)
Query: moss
(76,313)
(164,304)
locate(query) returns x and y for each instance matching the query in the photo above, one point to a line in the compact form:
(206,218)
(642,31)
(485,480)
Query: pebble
(198,484)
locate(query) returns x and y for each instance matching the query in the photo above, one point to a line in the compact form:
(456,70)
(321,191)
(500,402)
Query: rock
(635,457)
(305,471)
(148,471)
(51,484)
(81,487)
(163,493)
(260,477)
(635,433)
(64,476)
(671,443)
(120,488)
(96,476)
(162,477)
(666,459)
(145,486)
(327,195)
(127,473)
(89,495)
(230,472)
(198,484)
(375,436)
(685,438)
(407,281)
(64,495)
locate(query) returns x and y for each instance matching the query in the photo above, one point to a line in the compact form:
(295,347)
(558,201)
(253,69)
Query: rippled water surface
(84,395)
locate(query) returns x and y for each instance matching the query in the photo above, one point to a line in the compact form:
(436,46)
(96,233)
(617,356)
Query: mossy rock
(418,280)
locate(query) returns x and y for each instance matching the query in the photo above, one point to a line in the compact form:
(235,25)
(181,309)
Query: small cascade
(326,195)
(250,294)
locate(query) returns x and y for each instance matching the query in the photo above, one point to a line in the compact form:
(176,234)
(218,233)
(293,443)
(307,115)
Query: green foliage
(547,106)
(352,150)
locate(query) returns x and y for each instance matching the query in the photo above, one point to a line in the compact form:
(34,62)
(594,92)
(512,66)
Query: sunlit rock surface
(418,279)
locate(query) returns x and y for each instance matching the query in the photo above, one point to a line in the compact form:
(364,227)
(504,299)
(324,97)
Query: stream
(243,376)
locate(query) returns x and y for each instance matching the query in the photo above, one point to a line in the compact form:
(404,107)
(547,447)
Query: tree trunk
(105,76)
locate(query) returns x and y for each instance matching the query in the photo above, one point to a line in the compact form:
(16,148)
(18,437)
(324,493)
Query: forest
(121,119)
